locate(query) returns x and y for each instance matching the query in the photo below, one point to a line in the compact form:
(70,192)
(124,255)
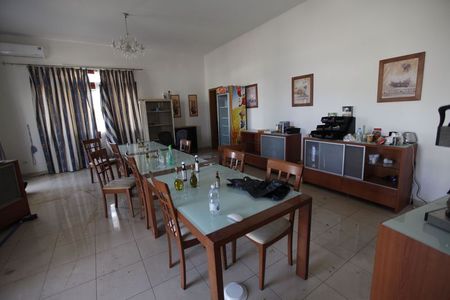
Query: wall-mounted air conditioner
(9,49)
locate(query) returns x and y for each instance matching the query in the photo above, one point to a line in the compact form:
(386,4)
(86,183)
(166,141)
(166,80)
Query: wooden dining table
(213,232)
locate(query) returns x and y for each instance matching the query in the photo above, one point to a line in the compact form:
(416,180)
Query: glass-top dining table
(154,158)
(192,205)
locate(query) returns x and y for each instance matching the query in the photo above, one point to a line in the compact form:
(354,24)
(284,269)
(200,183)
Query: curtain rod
(71,66)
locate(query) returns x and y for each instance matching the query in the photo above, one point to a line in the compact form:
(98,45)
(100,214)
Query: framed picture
(303,90)
(176,106)
(251,93)
(400,78)
(193,106)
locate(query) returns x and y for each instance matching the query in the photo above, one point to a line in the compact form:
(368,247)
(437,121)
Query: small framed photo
(400,78)
(251,93)
(303,90)
(176,106)
(193,106)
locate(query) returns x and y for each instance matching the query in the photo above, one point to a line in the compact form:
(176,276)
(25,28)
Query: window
(94,79)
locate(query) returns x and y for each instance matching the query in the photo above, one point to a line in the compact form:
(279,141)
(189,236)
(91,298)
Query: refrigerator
(231,114)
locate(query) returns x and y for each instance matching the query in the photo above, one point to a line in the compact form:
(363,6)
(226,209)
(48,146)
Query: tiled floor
(72,252)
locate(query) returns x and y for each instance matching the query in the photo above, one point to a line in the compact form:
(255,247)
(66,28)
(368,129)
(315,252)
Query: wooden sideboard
(345,167)
(257,146)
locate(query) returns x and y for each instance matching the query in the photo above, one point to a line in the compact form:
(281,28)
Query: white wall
(341,42)
(164,69)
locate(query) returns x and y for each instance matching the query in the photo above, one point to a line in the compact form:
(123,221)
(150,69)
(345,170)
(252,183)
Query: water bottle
(214,202)
(359,135)
(183,171)
(170,156)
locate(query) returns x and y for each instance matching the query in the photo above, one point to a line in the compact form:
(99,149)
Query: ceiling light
(127,44)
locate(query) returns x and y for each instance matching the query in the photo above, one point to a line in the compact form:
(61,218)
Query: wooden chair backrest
(233,159)
(285,171)
(185,145)
(221,149)
(123,170)
(102,166)
(167,208)
(90,146)
(137,175)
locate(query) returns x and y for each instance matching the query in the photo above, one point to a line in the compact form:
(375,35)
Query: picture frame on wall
(176,106)
(193,105)
(251,93)
(303,90)
(400,78)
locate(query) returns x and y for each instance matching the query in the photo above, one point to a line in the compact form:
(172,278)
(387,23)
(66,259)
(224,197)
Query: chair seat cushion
(121,183)
(269,232)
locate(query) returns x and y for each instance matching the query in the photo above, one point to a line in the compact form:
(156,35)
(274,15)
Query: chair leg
(224,256)
(116,202)
(182,269)
(290,248)
(130,202)
(233,250)
(262,266)
(105,205)
(92,174)
(170,252)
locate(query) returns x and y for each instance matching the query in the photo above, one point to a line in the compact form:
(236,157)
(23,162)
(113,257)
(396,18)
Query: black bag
(274,189)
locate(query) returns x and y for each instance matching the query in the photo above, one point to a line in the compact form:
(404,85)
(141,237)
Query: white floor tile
(196,288)
(26,289)
(116,258)
(86,291)
(351,281)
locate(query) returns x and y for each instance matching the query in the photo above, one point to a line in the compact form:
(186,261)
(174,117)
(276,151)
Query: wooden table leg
(303,236)
(215,271)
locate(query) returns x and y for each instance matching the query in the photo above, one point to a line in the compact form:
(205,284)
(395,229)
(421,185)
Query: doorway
(213,118)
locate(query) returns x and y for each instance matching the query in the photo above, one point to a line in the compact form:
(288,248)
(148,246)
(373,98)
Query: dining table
(215,231)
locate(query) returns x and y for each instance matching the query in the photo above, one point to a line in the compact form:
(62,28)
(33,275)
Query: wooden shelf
(393,166)
(160,125)
(158,111)
(382,181)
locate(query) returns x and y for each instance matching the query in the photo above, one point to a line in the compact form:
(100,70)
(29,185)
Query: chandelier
(127,44)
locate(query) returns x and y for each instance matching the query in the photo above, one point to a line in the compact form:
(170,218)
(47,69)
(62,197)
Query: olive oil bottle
(193,180)
(178,183)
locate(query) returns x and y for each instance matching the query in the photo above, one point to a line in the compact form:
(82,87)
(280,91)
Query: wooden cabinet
(260,146)
(156,117)
(347,168)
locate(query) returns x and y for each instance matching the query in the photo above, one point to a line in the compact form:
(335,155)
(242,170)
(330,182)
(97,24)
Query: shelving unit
(156,117)
(345,167)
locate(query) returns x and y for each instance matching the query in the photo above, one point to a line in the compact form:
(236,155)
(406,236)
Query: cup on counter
(370,138)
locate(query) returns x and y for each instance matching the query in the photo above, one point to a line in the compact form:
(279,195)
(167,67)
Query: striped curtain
(120,106)
(65,115)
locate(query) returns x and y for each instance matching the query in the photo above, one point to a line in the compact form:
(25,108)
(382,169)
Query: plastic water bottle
(170,156)
(359,135)
(214,201)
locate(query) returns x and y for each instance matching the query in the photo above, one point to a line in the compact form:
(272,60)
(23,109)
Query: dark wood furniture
(191,135)
(345,167)
(122,168)
(412,258)
(13,198)
(257,153)
(109,185)
(91,145)
(271,233)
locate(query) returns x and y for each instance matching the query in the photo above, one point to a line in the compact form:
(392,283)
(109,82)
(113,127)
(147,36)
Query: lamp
(127,44)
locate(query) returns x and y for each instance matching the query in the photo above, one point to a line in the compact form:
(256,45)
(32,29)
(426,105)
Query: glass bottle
(196,165)
(170,156)
(179,184)
(183,171)
(193,180)
(217,183)
(214,201)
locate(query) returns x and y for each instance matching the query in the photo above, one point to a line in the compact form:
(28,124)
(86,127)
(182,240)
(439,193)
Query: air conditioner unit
(9,49)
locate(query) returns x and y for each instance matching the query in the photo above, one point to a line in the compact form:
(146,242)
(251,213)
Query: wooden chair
(233,159)
(108,184)
(180,233)
(221,149)
(276,230)
(122,168)
(185,145)
(150,195)
(139,184)
(91,145)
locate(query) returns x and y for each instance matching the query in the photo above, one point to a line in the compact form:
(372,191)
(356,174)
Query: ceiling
(199,25)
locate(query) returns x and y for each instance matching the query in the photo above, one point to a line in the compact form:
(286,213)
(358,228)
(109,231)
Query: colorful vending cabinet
(231,114)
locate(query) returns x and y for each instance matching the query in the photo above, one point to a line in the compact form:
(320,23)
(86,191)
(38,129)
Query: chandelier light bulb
(127,44)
